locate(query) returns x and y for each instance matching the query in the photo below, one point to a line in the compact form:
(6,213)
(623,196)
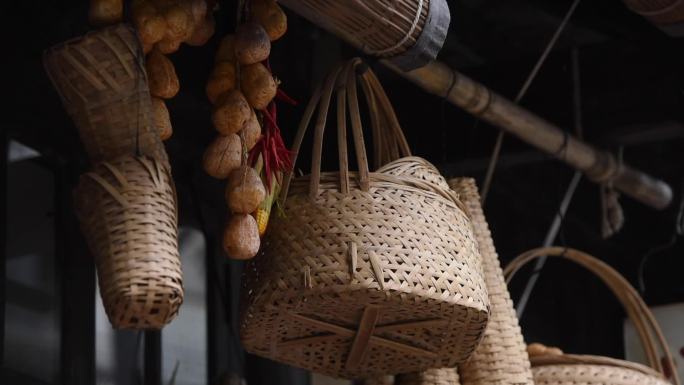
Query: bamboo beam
(598,165)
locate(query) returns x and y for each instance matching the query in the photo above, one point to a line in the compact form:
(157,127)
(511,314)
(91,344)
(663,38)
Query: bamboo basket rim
(329,180)
(588,359)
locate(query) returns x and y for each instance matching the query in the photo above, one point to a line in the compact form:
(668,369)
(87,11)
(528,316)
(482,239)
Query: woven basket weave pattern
(445,376)
(366,273)
(375,26)
(103,86)
(592,375)
(501,358)
(418,282)
(128,214)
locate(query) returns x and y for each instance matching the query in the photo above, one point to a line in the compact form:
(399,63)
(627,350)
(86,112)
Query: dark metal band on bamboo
(600,166)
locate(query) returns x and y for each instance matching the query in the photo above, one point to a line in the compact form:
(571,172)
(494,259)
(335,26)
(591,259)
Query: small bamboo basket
(366,273)
(127,210)
(571,369)
(409,33)
(102,82)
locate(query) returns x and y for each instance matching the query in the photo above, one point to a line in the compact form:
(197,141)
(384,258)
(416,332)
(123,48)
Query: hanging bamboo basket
(102,82)
(570,369)
(408,32)
(365,273)
(127,210)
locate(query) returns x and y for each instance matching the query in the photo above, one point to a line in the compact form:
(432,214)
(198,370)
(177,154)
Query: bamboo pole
(599,166)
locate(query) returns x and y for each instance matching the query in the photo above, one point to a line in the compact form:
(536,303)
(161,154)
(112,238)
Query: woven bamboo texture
(592,370)
(128,215)
(366,273)
(445,376)
(379,27)
(102,82)
(658,11)
(565,369)
(409,33)
(501,358)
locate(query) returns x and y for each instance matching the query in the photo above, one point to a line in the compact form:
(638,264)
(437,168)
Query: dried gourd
(251,131)
(269,14)
(252,44)
(168,45)
(197,9)
(245,191)
(258,85)
(179,23)
(161,118)
(152,30)
(222,156)
(151,26)
(231,113)
(161,76)
(105,12)
(147,48)
(204,30)
(241,237)
(226,50)
(221,80)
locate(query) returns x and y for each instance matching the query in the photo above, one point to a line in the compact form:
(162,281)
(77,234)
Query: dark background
(631,93)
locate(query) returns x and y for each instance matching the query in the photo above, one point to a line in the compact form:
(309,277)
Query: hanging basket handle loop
(647,327)
(389,141)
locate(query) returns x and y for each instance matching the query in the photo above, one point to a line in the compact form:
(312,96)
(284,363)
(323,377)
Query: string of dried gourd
(162,26)
(242,89)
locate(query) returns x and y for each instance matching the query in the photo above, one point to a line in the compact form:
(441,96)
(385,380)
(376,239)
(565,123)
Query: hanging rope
(523,90)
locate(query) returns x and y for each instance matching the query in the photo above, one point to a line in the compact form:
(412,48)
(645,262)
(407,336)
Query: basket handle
(388,137)
(645,323)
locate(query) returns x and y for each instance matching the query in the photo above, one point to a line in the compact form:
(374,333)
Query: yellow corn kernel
(262,216)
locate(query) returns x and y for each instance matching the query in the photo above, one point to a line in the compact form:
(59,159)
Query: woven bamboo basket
(569,369)
(408,32)
(445,376)
(501,358)
(128,215)
(102,82)
(366,273)
(658,11)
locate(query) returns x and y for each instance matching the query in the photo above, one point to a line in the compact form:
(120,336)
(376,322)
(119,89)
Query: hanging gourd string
(494,159)
(239,15)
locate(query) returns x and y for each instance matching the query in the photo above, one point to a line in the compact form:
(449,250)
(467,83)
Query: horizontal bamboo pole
(600,166)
